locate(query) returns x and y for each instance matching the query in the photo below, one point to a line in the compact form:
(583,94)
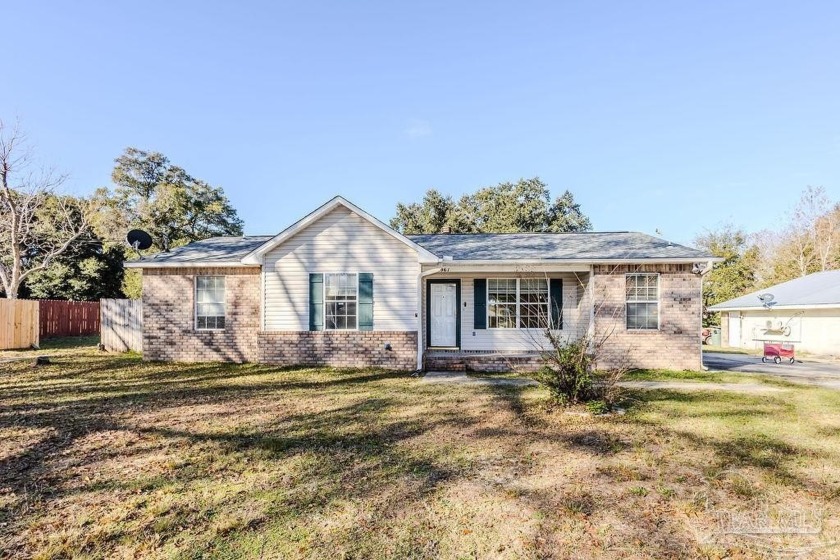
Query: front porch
(494,319)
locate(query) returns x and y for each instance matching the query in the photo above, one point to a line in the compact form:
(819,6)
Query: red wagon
(778,351)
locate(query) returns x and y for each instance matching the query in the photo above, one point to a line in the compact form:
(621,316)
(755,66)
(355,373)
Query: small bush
(567,372)
(597,406)
(570,376)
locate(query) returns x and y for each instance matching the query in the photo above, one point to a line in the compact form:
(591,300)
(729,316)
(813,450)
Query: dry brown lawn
(107,456)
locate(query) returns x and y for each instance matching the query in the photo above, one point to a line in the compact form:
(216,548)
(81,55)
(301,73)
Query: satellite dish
(766,300)
(139,239)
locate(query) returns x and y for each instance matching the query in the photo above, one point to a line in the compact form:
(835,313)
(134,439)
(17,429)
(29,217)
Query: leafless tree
(36,224)
(809,242)
(814,231)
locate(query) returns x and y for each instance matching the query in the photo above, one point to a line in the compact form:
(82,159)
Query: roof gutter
(491,262)
(195,264)
(777,307)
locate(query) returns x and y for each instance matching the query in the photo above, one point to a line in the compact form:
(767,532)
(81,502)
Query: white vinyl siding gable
(340,241)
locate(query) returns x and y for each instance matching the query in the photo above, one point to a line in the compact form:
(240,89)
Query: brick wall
(340,348)
(676,345)
(169,319)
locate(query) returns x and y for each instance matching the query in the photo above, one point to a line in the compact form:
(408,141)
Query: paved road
(824,374)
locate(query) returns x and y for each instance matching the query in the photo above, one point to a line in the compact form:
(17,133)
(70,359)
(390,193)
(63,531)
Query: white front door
(735,329)
(443,315)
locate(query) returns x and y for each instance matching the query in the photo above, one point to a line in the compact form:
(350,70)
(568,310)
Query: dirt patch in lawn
(107,456)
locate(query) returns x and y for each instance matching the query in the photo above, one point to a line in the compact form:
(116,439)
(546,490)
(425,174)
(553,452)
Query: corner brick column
(675,345)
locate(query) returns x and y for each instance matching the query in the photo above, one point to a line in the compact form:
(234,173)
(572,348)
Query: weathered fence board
(18,324)
(122,324)
(69,318)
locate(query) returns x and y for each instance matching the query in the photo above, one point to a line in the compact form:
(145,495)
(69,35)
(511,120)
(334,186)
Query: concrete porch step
(490,363)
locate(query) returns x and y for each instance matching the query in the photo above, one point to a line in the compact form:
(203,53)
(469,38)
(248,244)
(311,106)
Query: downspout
(420,327)
(591,287)
(703,273)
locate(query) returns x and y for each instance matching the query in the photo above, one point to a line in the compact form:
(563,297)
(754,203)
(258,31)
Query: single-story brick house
(341,288)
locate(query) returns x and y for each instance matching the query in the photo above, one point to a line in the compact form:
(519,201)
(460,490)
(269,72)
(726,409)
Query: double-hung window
(210,302)
(341,294)
(501,303)
(517,303)
(533,303)
(642,301)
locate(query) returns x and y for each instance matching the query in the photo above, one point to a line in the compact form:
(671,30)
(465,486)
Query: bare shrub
(570,374)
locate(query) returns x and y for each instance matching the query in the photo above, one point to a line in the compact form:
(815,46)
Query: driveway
(823,374)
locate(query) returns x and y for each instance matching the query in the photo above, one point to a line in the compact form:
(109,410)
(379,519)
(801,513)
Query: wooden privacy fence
(18,323)
(69,318)
(122,324)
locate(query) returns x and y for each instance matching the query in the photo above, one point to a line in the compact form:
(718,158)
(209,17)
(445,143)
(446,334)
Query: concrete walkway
(462,378)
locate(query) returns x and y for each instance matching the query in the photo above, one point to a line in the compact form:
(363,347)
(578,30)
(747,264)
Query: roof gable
(257,255)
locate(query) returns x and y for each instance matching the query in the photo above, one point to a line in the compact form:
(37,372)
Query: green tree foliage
(87,270)
(524,206)
(173,206)
(432,215)
(733,277)
(152,194)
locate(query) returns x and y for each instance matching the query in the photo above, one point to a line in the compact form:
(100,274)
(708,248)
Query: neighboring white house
(804,312)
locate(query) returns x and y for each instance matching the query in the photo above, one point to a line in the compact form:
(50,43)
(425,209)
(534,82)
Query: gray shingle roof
(555,246)
(215,250)
(820,288)
(480,246)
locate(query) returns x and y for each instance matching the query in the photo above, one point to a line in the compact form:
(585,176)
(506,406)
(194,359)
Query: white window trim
(518,304)
(195,302)
(658,301)
(324,302)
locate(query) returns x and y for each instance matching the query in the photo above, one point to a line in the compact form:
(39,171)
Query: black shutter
(480,303)
(556,291)
(316,302)
(365,301)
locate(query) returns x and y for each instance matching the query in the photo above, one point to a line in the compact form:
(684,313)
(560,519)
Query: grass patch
(64,346)
(729,350)
(103,455)
(706,377)
(69,342)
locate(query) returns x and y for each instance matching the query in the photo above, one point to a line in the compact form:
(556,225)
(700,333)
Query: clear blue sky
(669,115)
